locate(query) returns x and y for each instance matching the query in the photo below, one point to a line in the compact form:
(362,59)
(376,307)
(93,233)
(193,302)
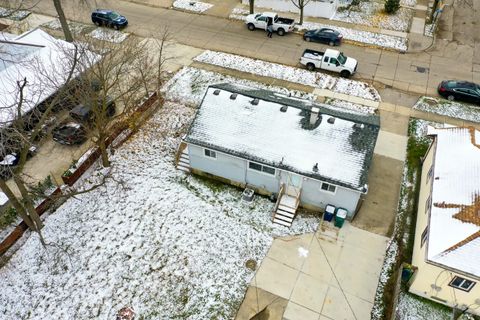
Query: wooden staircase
(182,158)
(286,208)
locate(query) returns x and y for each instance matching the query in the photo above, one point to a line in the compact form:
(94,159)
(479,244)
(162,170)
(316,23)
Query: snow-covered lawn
(75,27)
(359,36)
(371,13)
(411,307)
(352,107)
(449,108)
(152,238)
(13,14)
(190,5)
(105,34)
(365,37)
(291,74)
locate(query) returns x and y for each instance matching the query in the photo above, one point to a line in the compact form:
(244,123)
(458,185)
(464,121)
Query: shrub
(392,6)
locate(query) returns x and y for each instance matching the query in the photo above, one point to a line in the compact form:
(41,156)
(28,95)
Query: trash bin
(340,217)
(329,212)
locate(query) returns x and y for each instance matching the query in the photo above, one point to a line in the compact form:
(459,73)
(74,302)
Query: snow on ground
(105,34)
(448,108)
(167,244)
(371,13)
(75,27)
(291,74)
(13,14)
(365,37)
(350,106)
(411,307)
(189,5)
(408,3)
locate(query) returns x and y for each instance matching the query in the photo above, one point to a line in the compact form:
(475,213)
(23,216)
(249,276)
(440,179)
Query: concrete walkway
(331,274)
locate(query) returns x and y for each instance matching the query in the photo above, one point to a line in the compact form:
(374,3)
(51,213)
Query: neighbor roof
(454,227)
(37,57)
(264,134)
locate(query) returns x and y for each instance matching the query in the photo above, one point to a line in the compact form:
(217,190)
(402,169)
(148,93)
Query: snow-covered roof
(37,57)
(285,139)
(454,228)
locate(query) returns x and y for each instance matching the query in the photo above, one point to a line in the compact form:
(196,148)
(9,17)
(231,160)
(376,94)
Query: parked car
(259,21)
(69,133)
(323,35)
(332,60)
(85,113)
(460,90)
(11,160)
(109,18)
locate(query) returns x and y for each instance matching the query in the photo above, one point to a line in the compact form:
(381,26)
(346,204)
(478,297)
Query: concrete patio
(331,274)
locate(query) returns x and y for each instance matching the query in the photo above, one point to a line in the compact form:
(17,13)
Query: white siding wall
(316,8)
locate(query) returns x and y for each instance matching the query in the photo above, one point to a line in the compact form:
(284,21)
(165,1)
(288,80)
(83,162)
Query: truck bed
(313,54)
(285,21)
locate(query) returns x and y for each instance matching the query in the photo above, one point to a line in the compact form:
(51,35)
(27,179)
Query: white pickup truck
(259,21)
(331,60)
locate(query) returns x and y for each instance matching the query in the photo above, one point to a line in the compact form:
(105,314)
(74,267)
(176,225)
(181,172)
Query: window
(328,187)
(262,19)
(210,153)
(333,61)
(325,59)
(430,174)
(461,283)
(428,204)
(424,236)
(261,168)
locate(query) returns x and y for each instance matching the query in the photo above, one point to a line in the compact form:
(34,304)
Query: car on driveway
(85,113)
(69,133)
(109,18)
(460,90)
(11,160)
(323,35)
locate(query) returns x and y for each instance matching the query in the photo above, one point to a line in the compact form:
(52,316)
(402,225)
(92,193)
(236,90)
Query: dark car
(324,35)
(85,113)
(109,18)
(69,133)
(460,90)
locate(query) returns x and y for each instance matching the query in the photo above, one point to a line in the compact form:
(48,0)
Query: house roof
(454,227)
(41,60)
(263,133)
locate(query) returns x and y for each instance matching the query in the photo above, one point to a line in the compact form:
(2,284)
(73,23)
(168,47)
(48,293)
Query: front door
(293,183)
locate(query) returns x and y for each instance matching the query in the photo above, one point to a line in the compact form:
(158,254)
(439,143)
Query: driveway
(330,274)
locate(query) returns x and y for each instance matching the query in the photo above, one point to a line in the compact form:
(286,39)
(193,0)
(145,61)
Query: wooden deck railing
(280,194)
(181,147)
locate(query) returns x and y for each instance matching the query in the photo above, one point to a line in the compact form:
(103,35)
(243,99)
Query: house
(306,154)
(40,59)
(447,237)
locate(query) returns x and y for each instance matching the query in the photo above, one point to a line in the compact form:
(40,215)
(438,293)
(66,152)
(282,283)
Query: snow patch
(105,34)
(195,6)
(447,108)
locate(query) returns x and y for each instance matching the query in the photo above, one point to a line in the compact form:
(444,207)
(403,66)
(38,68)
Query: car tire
(345,74)
(308,39)
(97,23)
(251,27)
(331,43)
(310,66)
(281,32)
(450,97)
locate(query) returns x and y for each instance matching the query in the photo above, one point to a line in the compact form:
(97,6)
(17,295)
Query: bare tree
(63,20)
(300,4)
(251,5)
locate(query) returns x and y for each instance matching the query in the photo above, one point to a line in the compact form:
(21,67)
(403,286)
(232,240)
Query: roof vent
(359,126)
(255,101)
(216,92)
(314,115)
(331,120)
(283,108)
(233,96)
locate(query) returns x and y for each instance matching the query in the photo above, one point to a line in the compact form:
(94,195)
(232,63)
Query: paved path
(332,274)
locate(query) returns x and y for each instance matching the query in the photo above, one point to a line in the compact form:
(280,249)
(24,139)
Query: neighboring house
(446,252)
(314,8)
(305,153)
(37,57)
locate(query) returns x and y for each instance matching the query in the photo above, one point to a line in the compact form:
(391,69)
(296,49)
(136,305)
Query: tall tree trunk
(301,14)
(251,3)
(104,153)
(28,204)
(17,205)
(63,20)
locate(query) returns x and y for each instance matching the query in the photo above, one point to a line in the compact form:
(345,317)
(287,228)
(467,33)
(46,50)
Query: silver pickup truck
(259,21)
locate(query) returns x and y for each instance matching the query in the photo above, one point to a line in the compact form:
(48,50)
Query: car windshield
(113,15)
(341,58)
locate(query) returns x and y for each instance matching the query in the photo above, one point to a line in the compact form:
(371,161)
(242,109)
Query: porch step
(286,216)
(287,209)
(281,222)
(184,161)
(183,168)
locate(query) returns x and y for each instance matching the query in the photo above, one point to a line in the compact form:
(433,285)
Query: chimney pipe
(314,115)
